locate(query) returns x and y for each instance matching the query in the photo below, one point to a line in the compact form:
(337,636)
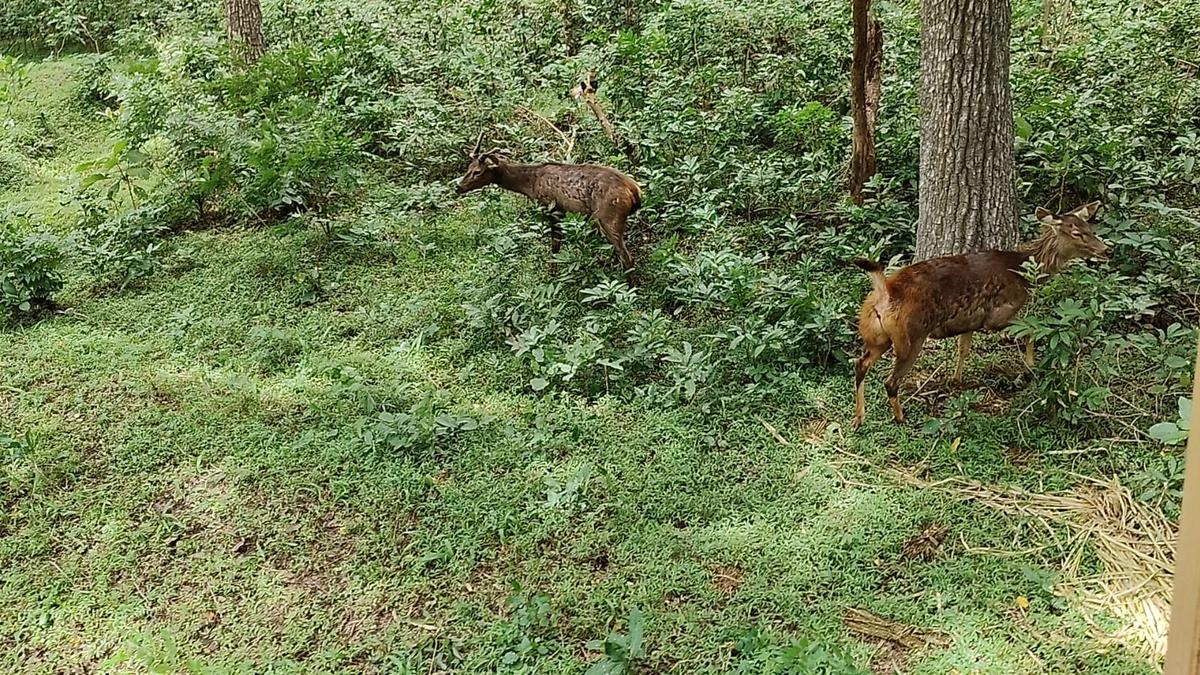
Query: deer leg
(556,240)
(964,348)
(614,231)
(906,356)
(869,357)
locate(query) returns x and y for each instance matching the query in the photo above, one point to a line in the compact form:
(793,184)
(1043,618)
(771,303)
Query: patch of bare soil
(728,579)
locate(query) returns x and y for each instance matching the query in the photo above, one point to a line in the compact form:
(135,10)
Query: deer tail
(875,271)
(636,190)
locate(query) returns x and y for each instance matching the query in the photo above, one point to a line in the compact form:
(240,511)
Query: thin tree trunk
(967,197)
(244,27)
(866,88)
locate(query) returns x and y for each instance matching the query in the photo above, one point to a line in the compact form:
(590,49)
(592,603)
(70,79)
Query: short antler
(478,142)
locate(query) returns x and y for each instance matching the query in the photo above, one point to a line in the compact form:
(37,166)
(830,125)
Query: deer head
(480,170)
(1070,235)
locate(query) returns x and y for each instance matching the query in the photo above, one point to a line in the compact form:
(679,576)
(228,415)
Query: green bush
(30,270)
(13,169)
(90,24)
(119,250)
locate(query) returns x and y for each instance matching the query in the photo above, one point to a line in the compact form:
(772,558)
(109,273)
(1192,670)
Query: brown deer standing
(958,295)
(602,193)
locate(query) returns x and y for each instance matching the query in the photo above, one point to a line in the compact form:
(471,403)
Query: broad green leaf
(1024,129)
(1167,432)
(538,383)
(1176,362)
(637,629)
(92,179)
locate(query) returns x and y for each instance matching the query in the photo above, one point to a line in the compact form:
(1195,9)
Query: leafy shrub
(274,349)
(305,162)
(30,270)
(122,249)
(426,423)
(1174,433)
(14,76)
(1160,484)
(757,652)
(809,127)
(12,169)
(88,23)
(621,651)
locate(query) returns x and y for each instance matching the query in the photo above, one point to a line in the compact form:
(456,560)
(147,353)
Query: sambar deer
(601,193)
(957,295)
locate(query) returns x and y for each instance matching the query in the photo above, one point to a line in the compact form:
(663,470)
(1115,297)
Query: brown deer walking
(958,295)
(602,193)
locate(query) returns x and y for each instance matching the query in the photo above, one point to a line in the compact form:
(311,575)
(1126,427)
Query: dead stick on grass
(779,437)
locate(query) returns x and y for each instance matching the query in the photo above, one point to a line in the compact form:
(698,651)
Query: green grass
(55,132)
(187,484)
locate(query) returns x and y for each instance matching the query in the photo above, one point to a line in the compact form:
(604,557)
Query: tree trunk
(866,88)
(244,27)
(967,197)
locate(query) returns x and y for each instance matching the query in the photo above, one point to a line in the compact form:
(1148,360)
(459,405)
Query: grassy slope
(178,499)
(56,132)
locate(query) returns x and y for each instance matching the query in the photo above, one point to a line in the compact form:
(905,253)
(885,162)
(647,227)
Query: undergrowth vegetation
(291,227)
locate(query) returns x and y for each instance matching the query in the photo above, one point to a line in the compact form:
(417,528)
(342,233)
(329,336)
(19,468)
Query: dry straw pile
(1134,543)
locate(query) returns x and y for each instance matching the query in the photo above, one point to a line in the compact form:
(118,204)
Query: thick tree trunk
(866,88)
(244,27)
(967,198)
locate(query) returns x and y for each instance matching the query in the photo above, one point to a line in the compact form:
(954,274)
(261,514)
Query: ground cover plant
(273,398)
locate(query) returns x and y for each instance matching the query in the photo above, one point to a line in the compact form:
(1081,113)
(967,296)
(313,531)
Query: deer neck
(1045,251)
(519,178)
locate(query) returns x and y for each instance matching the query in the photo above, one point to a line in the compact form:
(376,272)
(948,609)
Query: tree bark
(866,88)
(967,196)
(244,28)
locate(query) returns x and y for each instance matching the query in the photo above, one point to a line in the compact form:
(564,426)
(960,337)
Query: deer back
(585,188)
(959,294)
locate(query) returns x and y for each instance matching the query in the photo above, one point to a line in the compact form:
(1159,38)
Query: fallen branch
(586,91)
(864,623)
(773,431)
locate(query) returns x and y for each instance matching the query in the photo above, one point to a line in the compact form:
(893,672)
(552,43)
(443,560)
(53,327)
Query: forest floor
(187,492)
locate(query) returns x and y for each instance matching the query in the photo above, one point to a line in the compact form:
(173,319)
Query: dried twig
(773,431)
(864,623)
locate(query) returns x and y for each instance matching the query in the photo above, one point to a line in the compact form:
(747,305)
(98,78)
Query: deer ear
(1086,211)
(1044,216)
